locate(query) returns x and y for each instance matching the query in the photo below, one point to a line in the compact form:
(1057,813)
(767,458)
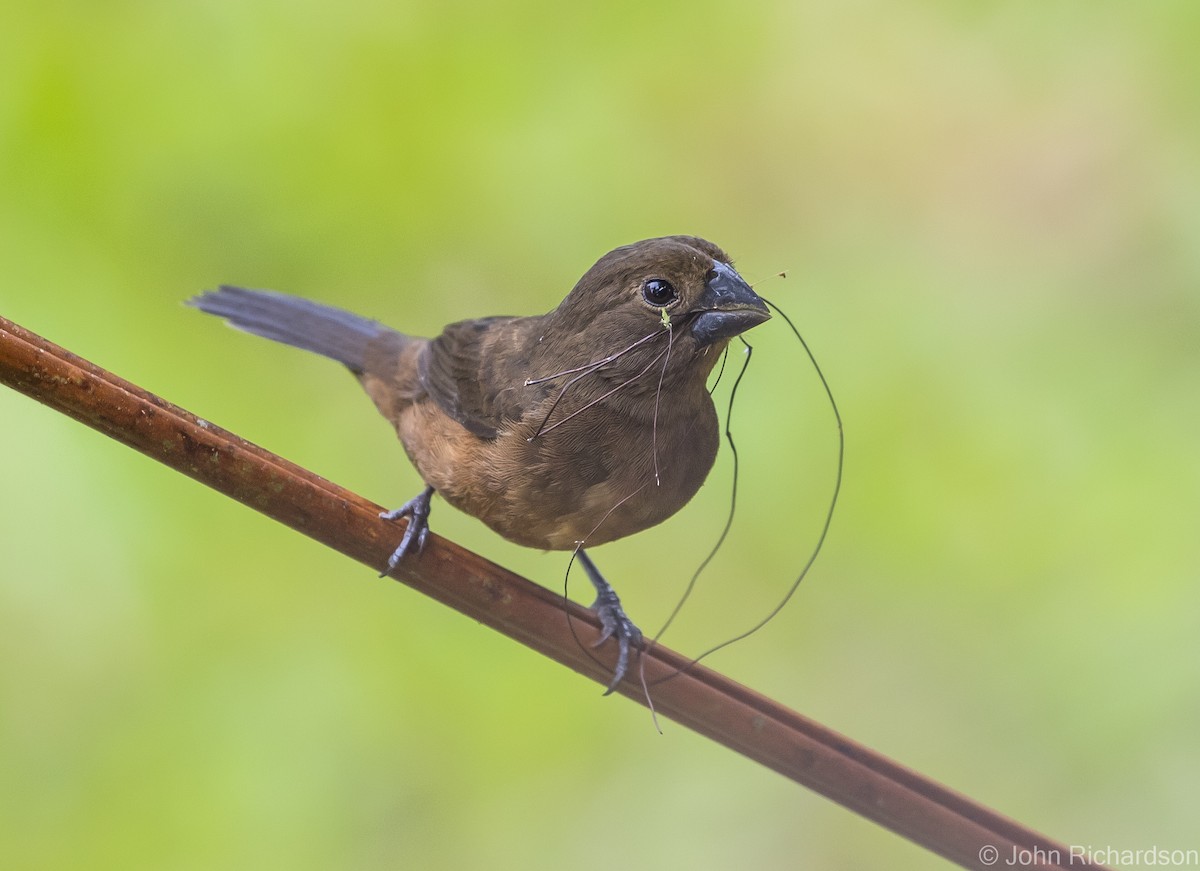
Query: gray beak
(727,307)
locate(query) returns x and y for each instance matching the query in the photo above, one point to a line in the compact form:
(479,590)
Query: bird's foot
(417,512)
(613,621)
(616,624)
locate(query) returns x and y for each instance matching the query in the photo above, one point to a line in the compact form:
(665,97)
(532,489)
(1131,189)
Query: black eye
(659,293)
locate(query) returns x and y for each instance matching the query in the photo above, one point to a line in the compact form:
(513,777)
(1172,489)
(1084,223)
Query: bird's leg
(417,512)
(613,620)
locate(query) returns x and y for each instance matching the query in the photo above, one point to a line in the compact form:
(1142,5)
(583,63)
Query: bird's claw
(417,511)
(615,624)
(613,621)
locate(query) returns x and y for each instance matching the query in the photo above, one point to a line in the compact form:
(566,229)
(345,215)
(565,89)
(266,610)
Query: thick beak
(727,307)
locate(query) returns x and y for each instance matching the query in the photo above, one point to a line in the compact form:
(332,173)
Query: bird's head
(681,285)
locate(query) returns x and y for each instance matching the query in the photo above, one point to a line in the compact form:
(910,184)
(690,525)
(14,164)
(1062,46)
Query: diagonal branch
(856,777)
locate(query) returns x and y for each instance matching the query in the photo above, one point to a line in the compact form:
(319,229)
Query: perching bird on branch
(560,431)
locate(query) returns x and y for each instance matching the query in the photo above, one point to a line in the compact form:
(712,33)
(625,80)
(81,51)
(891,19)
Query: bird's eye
(659,293)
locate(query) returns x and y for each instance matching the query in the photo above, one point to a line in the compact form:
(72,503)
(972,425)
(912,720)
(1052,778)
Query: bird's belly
(609,478)
(587,483)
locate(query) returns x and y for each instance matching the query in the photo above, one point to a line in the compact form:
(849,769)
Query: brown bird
(572,428)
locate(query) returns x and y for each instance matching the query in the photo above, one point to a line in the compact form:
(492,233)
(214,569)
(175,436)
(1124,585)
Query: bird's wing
(463,371)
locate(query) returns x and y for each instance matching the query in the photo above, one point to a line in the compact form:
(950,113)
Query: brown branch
(854,776)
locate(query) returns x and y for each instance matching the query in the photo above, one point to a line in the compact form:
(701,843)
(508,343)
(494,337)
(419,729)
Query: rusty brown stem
(848,773)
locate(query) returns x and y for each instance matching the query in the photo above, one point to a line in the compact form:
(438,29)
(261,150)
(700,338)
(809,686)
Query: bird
(560,431)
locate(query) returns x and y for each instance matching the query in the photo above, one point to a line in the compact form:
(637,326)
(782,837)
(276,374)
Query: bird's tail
(301,323)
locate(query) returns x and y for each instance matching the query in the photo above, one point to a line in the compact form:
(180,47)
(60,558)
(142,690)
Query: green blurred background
(990,219)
